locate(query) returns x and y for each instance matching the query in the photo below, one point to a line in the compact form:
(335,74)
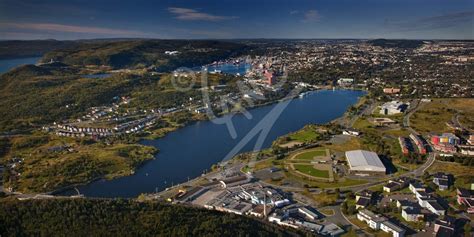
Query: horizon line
(257,38)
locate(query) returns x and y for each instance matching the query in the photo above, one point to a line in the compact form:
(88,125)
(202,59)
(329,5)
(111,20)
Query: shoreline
(191,122)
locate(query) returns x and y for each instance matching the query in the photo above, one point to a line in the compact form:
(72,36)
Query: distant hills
(389,43)
(145,53)
(31,48)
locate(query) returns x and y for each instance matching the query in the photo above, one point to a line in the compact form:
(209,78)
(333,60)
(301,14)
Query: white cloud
(294,12)
(311,16)
(194,15)
(68,28)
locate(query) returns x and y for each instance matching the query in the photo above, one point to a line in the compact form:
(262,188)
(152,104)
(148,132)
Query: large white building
(361,161)
(393,107)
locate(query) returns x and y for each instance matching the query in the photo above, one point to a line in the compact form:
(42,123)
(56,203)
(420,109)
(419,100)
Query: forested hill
(145,53)
(407,44)
(87,217)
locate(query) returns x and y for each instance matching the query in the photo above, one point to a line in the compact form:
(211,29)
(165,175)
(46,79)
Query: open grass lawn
(353,144)
(271,162)
(310,154)
(306,134)
(320,184)
(324,199)
(432,116)
(397,132)
(363,124)
(310,170)
(451,167)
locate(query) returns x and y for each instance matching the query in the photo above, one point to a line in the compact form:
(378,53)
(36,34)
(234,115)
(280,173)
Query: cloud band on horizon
(69,28)
(194,15)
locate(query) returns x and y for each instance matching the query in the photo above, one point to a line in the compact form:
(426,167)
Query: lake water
(98,76)
(7,64)
(230,68)
(187,152)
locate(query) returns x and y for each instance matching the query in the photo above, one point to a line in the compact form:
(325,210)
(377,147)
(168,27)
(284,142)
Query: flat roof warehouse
(360,160)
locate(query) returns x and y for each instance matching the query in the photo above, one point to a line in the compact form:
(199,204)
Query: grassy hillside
(50,162)
(31,94)
(144,53)
(86,217)
(34,95)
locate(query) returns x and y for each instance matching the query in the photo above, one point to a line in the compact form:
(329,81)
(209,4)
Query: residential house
(412,214)
(466,197)
(416,186)
(363,199)
(394,185)
(445,227)
(378,222)
(442,180)
(426,200)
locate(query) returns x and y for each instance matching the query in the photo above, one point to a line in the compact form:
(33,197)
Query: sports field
(310,170)
(309,155)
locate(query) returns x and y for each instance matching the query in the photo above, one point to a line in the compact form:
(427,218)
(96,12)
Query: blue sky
(76,19)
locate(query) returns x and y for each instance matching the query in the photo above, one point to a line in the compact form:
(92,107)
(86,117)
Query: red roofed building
(270,78)
(391,90)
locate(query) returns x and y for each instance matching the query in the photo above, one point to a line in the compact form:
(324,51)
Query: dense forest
(145,53)
(88,217)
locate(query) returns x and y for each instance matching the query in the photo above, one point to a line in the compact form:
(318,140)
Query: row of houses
(419,143)
(426,200)
(128,127)
(378,222)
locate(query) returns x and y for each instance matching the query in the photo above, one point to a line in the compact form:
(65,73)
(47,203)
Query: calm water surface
(7,64)
(189,151)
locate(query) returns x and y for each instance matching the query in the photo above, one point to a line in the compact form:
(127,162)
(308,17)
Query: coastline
(143,138)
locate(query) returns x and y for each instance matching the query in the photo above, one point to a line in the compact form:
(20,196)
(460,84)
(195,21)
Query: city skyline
(230,19)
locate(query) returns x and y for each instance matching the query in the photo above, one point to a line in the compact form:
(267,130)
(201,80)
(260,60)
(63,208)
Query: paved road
(415,105)
(368,110)
(339,218)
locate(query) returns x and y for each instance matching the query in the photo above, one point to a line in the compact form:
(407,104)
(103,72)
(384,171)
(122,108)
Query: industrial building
(345,81)
(393,107)
(361,161)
